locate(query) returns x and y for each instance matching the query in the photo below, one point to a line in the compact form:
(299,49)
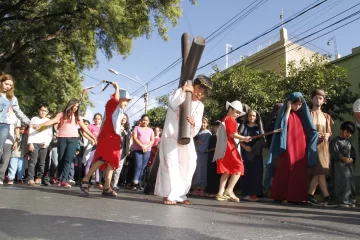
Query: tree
(158,114)
(262,89)
(45,44)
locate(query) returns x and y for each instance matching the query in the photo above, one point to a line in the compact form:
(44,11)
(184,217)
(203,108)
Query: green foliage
(45,44)
(158,114)
(262,89)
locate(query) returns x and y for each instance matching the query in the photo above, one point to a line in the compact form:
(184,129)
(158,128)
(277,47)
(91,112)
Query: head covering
(273,115)
(236,105)
(278,144)
(318,91)
(246,121)
(204,80)
(124,94)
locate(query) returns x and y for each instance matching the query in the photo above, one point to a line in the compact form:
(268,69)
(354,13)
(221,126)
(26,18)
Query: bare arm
(241,138)
(136,140)
(87,131)
(51,122)
(117,93)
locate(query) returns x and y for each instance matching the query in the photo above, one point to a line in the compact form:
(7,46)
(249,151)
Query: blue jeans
(16,166)
(141,160)
(4,132)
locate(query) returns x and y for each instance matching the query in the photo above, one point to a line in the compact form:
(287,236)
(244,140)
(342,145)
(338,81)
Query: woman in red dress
(230,165)
(293,151)
(107,154)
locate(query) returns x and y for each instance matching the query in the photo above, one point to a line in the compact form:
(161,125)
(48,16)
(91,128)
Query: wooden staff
(267,134)
(190,64)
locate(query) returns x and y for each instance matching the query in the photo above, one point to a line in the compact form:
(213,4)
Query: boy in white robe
(178,162)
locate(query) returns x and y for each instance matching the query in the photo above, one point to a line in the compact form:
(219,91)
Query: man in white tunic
(178,162)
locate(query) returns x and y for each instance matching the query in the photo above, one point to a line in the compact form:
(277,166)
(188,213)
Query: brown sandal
(31,183)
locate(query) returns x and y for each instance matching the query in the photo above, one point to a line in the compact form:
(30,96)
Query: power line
(91,77)
(293,17)
(177,61)
(263,34)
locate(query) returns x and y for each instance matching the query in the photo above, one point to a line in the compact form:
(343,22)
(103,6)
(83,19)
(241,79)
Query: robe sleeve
(335,150)
(198,120)
(176,98)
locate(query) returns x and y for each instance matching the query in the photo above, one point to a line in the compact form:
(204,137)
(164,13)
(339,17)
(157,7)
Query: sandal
(109,193)
(84,186)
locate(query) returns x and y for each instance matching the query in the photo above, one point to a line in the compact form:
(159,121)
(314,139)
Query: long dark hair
(127,124)
(67,111)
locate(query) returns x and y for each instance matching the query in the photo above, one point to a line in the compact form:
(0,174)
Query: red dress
(290,174)
(109,143)
(232,162)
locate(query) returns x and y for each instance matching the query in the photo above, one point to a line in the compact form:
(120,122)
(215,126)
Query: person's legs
(20,168)
(12,168)
(93,168)
(41,163)
(223,180)
(68,158)
(117,172)
(145,160)
(138,166)
(4,132)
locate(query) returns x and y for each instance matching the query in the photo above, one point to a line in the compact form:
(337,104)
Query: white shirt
(43,135)
(356,107)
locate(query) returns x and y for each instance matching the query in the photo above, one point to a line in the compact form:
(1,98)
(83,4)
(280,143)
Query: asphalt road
(50,213)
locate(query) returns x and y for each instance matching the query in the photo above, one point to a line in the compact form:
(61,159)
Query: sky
(150,56)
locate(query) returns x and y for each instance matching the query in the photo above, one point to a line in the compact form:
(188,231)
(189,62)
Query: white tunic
(177,162)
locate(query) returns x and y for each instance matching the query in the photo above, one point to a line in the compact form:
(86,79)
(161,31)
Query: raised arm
(117,93)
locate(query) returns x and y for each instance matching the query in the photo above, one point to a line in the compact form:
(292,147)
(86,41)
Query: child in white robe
(178,162)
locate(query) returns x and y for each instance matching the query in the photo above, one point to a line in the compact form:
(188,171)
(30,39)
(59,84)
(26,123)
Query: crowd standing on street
(219,162)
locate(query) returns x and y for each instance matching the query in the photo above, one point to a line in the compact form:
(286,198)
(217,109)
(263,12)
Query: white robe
(177,162)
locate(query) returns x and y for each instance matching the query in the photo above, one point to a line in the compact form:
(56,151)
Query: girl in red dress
(230,165)
(107,154)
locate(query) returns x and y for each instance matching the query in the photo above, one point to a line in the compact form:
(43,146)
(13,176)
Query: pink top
(67,128)
(95,130)
(144,136)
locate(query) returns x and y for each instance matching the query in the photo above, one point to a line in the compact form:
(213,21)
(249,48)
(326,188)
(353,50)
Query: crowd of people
(66,149)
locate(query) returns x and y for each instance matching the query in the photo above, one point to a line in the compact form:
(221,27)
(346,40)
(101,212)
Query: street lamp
(227,47)
(145,86)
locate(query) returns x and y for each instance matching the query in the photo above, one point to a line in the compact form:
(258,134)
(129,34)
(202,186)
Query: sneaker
(65,185)
(329,202)
(116,188)
(231,196)
(10,182)
(254,198)
(99,186)
(220,197)
(247,198)
(202,193)
(58,184)
(19,182)
(71,182)
(45,183)
(311,200)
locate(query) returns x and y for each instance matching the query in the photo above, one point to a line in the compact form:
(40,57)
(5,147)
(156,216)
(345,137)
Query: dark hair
(230,108)
(86,121)
(97,114)
(318,91)
(67,110)
(127,124)
(144,116)
(300,99)
(44,105)
(217,123)
(348,126)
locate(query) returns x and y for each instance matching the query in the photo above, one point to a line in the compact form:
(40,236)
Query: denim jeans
(4,132)
(66,152)
(16,166)
(141,160)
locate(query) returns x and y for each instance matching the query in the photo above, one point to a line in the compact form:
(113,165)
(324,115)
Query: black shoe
(329,202)
(313,201)
(45,183)
(109,193)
